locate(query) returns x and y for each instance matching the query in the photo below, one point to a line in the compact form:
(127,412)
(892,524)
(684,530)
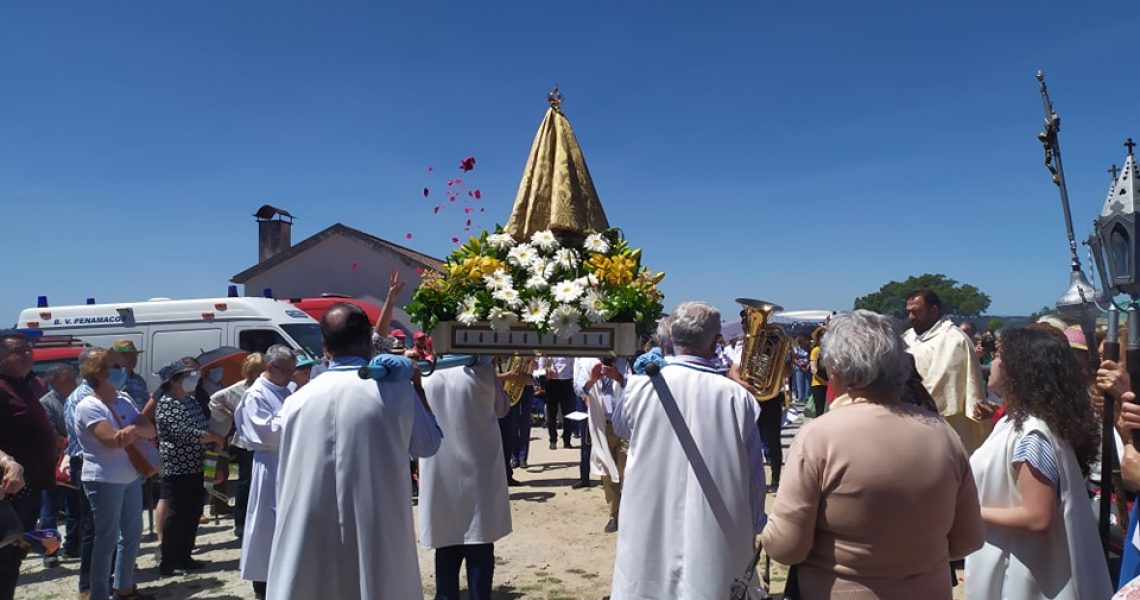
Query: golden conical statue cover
(556,191)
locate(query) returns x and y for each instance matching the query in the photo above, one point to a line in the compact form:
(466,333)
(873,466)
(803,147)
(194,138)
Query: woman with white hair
(877,495)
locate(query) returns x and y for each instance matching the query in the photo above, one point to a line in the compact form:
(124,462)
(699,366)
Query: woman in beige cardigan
(877,496)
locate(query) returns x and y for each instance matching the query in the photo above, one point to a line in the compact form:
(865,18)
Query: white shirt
(563,366)
(100,463)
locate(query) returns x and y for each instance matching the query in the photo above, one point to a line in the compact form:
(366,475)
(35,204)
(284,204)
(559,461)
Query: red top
(26,433)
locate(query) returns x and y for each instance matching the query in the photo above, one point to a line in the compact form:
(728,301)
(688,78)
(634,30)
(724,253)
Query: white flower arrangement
(502,241)
(501,319)
(564,321)
(595,242)
(522,255)
(545,240)
(537,283)
(567,259)
(509,295)
(498,280)
(536,311)
(567,291)
(541,267)
(594,305)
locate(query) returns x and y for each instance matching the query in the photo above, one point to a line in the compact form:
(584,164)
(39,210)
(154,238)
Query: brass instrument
(764,357)
(517,365)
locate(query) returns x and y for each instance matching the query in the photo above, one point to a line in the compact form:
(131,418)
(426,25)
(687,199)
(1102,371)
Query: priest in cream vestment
(464,506)
(950,369)
(344,498)
(693,493)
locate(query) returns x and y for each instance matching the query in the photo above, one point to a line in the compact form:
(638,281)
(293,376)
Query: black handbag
(10,526)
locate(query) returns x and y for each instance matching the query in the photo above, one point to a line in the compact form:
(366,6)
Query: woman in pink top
(877,496)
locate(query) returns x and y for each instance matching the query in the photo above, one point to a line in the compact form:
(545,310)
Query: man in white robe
(950,369)
(600,384)
(344,516)
(693,493)
(258,423)
(464,506)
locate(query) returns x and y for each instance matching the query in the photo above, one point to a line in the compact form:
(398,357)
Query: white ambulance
(167,330)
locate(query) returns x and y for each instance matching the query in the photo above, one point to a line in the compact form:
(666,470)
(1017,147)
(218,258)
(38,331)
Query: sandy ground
(557,551)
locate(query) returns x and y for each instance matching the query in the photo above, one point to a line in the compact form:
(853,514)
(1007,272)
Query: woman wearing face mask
(184,432)
(106,423)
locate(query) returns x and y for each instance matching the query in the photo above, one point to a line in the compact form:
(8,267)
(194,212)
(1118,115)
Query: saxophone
(517,365)
(764,357)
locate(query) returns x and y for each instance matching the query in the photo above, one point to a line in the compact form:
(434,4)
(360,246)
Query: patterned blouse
(181,424)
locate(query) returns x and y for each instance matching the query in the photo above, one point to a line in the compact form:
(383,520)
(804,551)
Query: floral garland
(548,285)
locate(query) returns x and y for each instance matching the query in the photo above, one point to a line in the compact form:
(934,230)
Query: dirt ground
(557,551)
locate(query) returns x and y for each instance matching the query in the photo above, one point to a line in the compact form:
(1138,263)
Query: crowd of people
(916,458)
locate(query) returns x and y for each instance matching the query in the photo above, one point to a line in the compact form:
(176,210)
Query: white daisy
(535,310)
(564,321)
(541,267)
(522,255)
(502,241)
(467,317)
(567,258)
(536,283)
(498,280)
(508,295)
(467,304)
(594,303)
(596,243)
(567,291)
(544,239)
(501,319)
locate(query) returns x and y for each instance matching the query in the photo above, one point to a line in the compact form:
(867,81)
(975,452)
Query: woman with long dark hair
(1041,539)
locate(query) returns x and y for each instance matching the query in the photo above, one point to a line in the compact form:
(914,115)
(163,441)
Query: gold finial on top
(555,98)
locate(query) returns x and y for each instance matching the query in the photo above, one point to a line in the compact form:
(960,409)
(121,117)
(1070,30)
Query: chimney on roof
(274,231)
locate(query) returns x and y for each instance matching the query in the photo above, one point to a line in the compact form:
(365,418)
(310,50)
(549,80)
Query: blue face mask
(190,382)
(117,377)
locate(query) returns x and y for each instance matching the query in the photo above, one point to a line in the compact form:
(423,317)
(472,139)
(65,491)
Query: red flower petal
(468,222)
(454,240)
(480,210)
(426,192)
(452,198)
(354,265)
(408,236)
(458,181)
(467,164)
(429,169)
(478,195)
(437,210)
(419,270)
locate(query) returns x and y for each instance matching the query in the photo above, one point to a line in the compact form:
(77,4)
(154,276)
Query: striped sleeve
(1035,449)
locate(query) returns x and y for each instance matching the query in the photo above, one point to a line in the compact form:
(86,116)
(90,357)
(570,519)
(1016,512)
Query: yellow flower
(616,271)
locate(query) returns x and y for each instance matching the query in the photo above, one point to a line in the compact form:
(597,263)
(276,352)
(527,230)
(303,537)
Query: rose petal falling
(407,236)
(454,240)
(437,209)
(426,192)
(467,164)
(478,195)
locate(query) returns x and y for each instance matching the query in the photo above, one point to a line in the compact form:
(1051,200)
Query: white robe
(344,510)
(1064,563)
(945,358)
(686,531)
(463,488)
(602,461)
(258,422)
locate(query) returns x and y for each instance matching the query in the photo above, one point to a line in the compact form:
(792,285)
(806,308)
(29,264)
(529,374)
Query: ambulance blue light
(41,302)
(267,292)
(91,301)
(232,292)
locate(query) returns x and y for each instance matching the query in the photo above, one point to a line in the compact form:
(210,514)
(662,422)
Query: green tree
(1044,310)
(994,324)
(958,299)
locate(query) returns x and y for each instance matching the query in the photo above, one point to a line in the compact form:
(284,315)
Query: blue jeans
(801,385)
(66,500)
(116,510)
(521,445)
(480,571)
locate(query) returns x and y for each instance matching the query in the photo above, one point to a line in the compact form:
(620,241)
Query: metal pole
(1108,421)
(1052,145)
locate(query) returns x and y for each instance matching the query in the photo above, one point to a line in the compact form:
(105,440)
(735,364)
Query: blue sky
(804,153)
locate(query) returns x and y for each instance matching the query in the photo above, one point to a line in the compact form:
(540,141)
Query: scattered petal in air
(478,195)
(429,169)
(452,198)
(419,270)
(354,265)
(407,236)
(458,181)
(480,210)
(471,194)
(467,209)
(426,192)
(437,209)
(469,222)
(467,164)
(454,240)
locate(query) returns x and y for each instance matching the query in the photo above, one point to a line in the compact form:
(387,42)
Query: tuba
(517,365)
(764,357)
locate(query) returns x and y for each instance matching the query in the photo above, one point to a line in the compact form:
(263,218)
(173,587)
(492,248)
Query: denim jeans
(65,500)
(86,526)
(116,511)
(801,384)
(480,571)
(521,445)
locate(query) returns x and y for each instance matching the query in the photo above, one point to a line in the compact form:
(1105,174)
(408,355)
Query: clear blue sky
(804,153)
